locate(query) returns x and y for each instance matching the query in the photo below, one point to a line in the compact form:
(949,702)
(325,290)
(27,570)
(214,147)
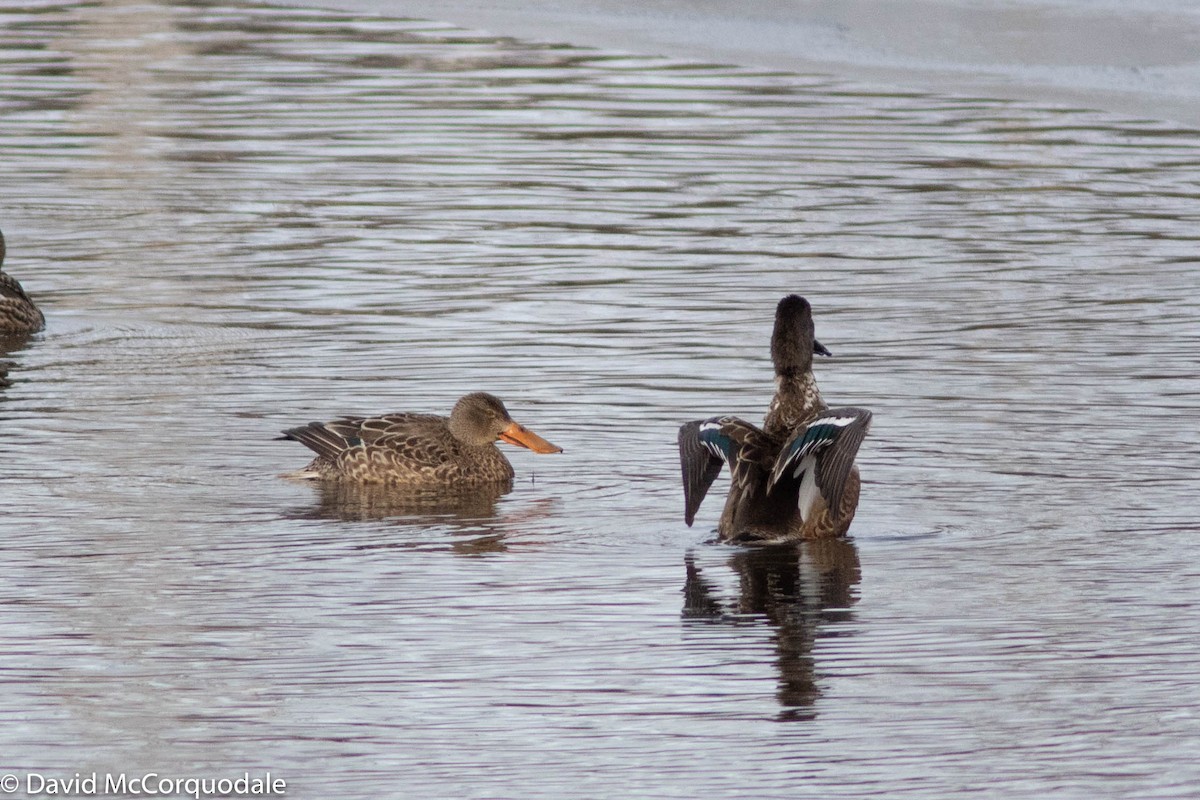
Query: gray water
(241,218)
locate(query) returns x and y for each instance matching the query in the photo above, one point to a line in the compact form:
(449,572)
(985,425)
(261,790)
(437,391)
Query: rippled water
(239,218)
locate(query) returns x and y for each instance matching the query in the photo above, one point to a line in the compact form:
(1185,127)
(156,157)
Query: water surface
(241,218)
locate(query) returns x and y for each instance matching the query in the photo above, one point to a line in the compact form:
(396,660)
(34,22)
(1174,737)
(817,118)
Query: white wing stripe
(840,422)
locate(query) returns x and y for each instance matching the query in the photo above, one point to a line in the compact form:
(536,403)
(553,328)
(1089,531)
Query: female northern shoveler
(18,314)
(418,450)
(794,478)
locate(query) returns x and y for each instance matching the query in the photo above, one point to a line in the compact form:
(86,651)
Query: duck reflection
(5,364)
(474,513)
(11,344)
(345,500)
(798,589)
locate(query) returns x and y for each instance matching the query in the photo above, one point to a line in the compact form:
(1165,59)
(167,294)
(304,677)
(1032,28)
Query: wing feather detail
(821,455)
(320,438)
(701,465)
(378,437)
(705,445)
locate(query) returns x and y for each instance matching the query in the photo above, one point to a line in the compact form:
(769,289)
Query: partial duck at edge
(18,314)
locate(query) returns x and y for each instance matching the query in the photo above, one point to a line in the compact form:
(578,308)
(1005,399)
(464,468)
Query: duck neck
(797,400)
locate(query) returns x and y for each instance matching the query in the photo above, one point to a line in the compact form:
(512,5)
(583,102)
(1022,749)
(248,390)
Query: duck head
(480,419)
(794,342)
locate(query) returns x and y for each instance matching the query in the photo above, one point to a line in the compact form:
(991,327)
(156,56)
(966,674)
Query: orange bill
(523,437)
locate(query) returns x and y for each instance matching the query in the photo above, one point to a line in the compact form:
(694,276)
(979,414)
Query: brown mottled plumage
(18,314)
(417,450)
(795,477)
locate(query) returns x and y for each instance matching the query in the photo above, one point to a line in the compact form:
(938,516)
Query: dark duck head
(793,344)
(794,340)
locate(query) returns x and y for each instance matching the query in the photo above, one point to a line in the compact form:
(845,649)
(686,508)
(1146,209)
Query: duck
(18,314)
(418,450)
(795,478)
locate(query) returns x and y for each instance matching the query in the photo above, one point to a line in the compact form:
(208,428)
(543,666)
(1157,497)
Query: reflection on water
(11,345)
(236,216)
(795,589)
(348,501)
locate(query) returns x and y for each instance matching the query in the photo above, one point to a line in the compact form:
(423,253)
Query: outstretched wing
(701,463)
(704,445)
(821,455)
